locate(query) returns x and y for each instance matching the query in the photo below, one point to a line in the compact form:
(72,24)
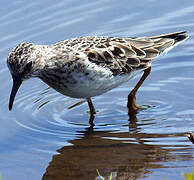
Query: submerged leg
(92,111)
(132,106)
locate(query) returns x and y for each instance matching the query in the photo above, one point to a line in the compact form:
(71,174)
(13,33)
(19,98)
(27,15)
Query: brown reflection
(125,154)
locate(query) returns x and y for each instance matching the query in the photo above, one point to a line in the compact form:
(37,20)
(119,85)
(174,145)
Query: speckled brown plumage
(87,66)
(120,55)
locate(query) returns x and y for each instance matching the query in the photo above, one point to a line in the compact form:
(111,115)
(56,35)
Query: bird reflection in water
(127,155)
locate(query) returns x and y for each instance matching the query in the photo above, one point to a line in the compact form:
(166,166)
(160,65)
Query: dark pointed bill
(16,84)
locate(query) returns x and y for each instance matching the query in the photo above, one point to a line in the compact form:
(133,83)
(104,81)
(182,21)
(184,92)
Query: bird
(85,67)
(190,135)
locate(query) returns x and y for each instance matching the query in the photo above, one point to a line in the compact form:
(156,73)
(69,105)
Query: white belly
(97,81)
(89,86)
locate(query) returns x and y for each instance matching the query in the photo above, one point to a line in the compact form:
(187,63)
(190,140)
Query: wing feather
(123,55)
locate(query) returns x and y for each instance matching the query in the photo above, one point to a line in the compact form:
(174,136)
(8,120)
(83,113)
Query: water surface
(43,139)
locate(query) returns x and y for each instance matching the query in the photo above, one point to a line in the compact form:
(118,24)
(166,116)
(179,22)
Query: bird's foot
(132,106)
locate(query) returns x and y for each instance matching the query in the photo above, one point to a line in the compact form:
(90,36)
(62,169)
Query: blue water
(43,139)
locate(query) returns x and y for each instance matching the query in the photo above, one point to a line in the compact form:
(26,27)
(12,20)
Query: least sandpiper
(85,67)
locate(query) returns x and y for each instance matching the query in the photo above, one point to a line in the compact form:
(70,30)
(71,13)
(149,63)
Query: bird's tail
(178,38)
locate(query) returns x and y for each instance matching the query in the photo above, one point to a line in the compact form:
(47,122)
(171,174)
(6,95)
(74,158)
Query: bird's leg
(132,106)
(92,111)
(91,106)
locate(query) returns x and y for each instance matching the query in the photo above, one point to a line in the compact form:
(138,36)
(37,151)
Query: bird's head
(21,62)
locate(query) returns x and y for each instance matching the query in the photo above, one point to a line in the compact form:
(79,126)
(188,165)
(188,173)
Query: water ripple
(52,107)
(41,120)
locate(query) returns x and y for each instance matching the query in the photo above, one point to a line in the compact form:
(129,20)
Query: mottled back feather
(123,55)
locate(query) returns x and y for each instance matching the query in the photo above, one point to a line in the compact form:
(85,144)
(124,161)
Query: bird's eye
(28,66)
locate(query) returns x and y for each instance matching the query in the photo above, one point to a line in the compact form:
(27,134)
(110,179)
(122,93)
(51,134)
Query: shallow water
(43,139)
